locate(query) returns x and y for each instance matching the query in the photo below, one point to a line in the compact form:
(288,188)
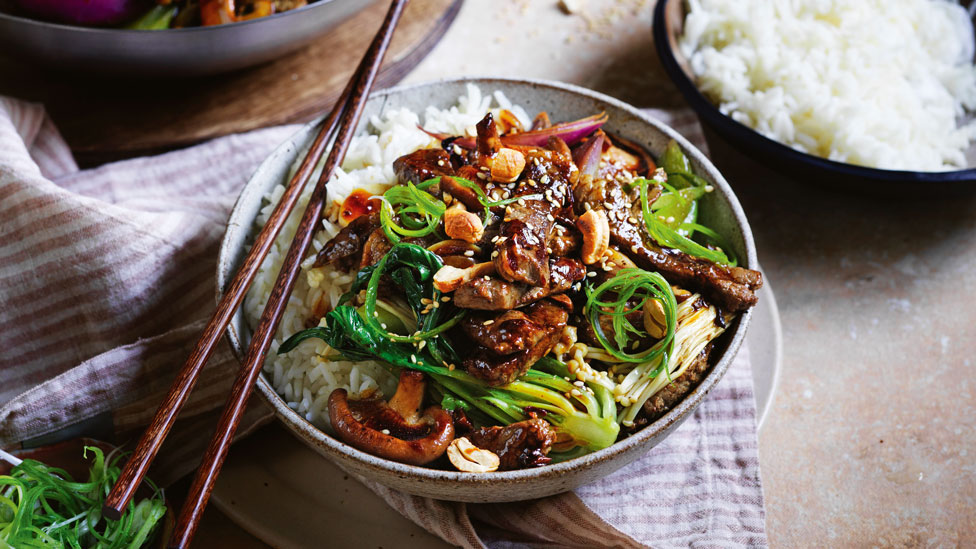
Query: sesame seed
(376,314)
(521,202)
(591,274)
(576,393)
(440,162)
(385,431)
(608,206)
(670,219)
(550,217)
(421,344)
(494,239)
(632,219)
(544,179)
(488,322)
(450,367)
(445,299)
(413,358)
(425,300)
(469,253)
(382,325)
(457,150)
(482,176)
(494,254)
(578,383)
(709,188)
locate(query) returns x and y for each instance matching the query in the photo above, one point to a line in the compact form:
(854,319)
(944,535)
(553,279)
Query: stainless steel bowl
(177,52)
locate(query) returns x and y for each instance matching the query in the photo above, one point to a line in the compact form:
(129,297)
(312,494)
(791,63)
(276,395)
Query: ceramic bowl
(669,16)
(719,209)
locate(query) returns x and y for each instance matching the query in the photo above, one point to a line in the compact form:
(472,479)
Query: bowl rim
(740,132)
(115,31)
(323,441)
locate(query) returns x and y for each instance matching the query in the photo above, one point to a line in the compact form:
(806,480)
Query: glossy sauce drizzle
(357,204)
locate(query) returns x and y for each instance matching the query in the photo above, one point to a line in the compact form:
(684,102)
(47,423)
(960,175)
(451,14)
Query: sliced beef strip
(490,293)
(518,445)
(345,250)
(666,398)
(522,255)
(423,164)
(523,249)
(546,320)
(731,288)
(504,334)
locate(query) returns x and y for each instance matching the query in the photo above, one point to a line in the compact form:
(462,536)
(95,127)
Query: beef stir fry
(547,288)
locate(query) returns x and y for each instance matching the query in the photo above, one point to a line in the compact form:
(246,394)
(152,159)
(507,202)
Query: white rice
(879,83)
(305,377)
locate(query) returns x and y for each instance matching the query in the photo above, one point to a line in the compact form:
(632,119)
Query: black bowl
(807,168)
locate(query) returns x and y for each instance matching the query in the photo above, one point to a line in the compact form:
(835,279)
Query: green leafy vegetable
(669,237)
(627,293)
(159,17)
(587,420)
(43,506)
(678,168)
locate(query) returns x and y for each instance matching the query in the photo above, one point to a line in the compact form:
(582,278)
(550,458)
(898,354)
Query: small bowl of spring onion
(518,287)
(52,497)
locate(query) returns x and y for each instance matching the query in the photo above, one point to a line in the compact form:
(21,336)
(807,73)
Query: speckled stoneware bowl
(719,209)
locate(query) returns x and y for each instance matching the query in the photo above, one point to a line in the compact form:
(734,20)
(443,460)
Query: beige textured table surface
(870,439)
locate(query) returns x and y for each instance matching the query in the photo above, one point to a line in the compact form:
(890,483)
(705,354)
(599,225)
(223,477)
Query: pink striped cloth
(106,279)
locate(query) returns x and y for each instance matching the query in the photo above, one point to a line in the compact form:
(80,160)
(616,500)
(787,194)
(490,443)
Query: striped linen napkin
(107,278)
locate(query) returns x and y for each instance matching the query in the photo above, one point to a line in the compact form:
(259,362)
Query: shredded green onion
(418,211)
(626,293)
(43,506)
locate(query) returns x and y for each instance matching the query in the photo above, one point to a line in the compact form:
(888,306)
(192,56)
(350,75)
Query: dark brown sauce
(358,203)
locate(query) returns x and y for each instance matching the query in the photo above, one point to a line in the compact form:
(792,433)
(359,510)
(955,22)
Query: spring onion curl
(584,419)
(696,328)
(671,238)
(418,211)
(43,506)
(625,293)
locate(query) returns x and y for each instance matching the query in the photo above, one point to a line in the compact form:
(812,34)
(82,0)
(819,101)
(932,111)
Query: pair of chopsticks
(340,124)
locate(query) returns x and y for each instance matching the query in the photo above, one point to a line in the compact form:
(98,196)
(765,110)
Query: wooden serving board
(106,118)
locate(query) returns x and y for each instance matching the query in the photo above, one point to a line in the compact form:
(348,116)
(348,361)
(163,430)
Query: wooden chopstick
(213,459)
(152,439)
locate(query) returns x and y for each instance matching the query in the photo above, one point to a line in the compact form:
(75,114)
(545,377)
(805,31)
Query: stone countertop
(870,438)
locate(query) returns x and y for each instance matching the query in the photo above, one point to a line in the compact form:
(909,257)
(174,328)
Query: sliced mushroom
(396,430)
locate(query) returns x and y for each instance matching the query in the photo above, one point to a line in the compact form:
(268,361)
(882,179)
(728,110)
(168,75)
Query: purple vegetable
(587,156)
(570,132)
(89,13)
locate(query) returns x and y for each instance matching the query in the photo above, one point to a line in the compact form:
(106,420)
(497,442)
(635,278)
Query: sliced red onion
(587,156)
(85,12)
(570,132)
